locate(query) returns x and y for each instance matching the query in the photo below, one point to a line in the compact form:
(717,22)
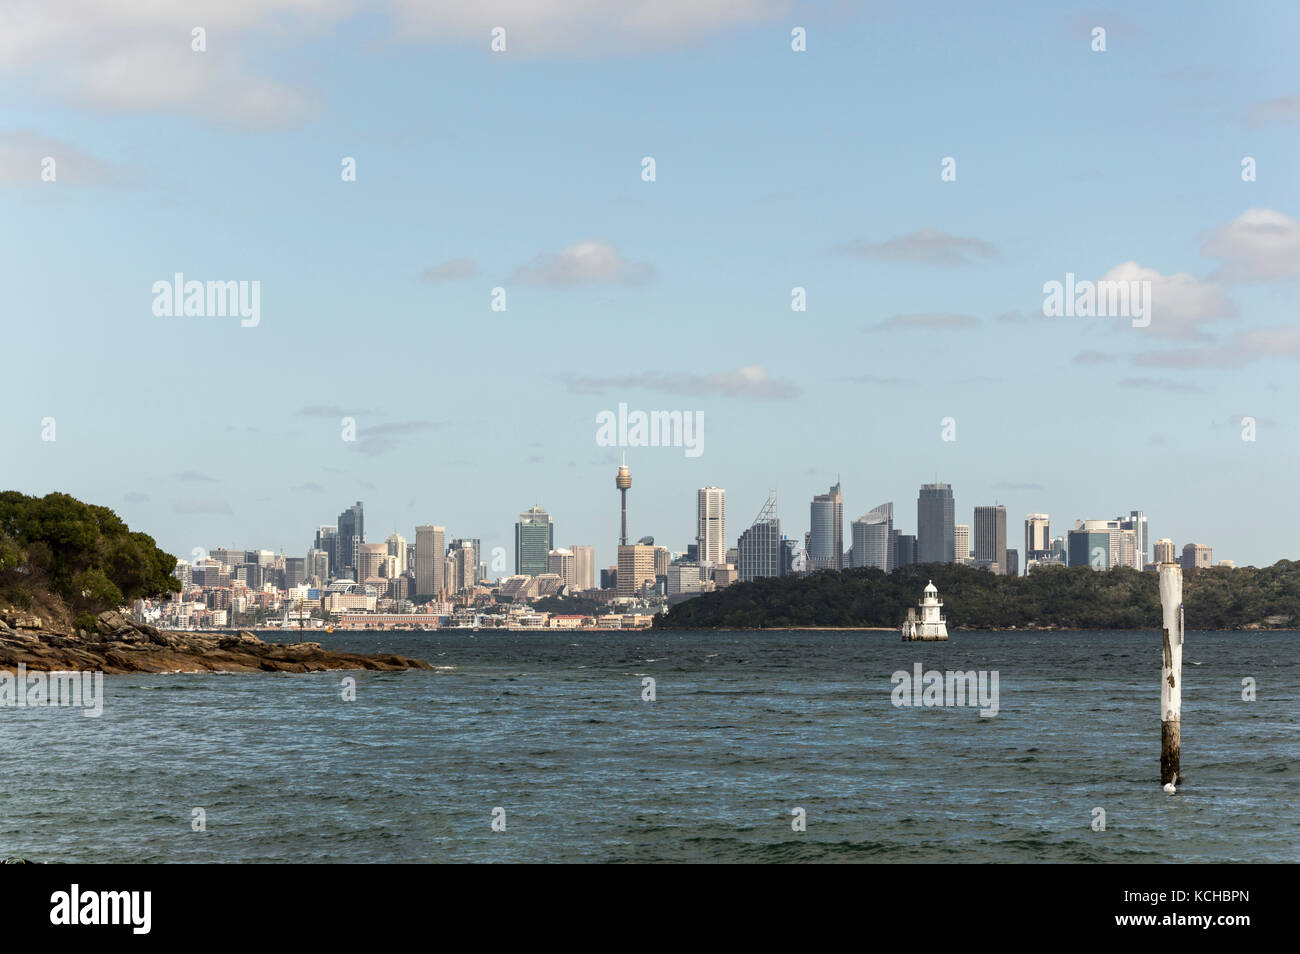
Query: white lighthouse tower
(930,624)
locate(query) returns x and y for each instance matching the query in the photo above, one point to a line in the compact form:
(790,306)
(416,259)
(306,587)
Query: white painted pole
(1171,681)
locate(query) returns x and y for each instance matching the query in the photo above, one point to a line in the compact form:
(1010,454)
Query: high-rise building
(563,564)
(1101,544)
(991,536)
(318,566)
(1197,556)
(534,539)
(902,549)
(873,534)
(396,544)
(1011,565)
(371,561)
(1165,551)
(961,543)
(430,565)
(1038,538)
(760,550)
(826,541)
(584,567)
(327,541)
(352,533)
(711,525)
(1137,522)
(463,555)
(934,524)
(636,567)
(295,571)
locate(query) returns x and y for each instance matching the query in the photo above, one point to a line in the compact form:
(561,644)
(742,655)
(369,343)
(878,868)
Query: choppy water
(745,727)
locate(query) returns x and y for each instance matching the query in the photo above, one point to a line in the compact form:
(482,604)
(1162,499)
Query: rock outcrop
(119,645)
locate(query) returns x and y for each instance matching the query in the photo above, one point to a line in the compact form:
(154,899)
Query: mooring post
(1171,681)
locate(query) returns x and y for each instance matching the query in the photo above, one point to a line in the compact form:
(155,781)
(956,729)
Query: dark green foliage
(82,552)
(1070,598)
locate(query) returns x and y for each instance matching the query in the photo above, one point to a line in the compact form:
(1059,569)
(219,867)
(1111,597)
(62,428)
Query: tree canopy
(1062,597)
(82,552)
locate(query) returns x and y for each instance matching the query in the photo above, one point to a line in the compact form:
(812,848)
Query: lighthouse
(929,624)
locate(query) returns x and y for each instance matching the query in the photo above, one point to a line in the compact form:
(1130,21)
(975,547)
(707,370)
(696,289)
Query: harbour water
(745,727)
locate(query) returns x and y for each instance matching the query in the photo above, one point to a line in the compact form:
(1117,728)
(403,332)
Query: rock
(121,646)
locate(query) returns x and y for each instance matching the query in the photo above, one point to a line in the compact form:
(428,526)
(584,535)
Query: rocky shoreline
(121,646)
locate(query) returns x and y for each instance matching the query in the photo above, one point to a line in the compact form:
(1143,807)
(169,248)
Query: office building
(430,565)
(584,567)
(760,551)
(351,534)
(872,534)
(825,545)
(563,564)
(935,526)
(1197,556)
(636,567)
(961,543)
(1165,551)
(711,525)
(991,536)
(534,540)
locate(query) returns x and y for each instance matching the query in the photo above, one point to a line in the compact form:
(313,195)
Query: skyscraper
(562,564)
(534,539)
(935,536)
(1038,538)
(430,562)
(1137,522)
(584,567)
(873,534)
(636,567)
(1164,551)
(352,533)
(327,542)
(396,544)
(711,525)
(826,518)
(961,543)
(761,552)
(991,536)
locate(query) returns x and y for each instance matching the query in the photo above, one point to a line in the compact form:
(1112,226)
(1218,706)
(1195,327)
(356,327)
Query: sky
(923,353)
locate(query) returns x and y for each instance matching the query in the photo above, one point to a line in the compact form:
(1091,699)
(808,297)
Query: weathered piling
(1171,681)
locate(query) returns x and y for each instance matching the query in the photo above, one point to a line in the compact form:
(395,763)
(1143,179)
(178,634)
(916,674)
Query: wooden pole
(1171,676)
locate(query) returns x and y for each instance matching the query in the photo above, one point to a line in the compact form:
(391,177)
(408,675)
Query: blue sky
(775,169)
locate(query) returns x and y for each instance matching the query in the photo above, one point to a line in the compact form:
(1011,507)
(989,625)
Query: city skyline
(672,293)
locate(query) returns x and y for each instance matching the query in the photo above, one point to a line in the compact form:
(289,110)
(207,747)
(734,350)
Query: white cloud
(1244,348)
(927,247)
(22,152)
(751,381)
(591,27)
(1180,303)
(1258,245)
(583,263)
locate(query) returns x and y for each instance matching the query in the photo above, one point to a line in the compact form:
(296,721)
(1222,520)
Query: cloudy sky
(774,169)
